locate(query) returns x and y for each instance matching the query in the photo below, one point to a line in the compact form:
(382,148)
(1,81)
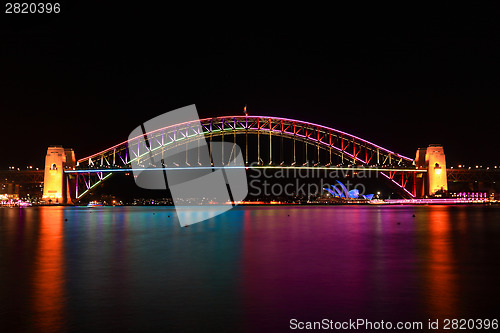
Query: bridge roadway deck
(276,167)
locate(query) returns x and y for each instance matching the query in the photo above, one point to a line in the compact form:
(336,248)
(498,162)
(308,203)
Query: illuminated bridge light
(359,153)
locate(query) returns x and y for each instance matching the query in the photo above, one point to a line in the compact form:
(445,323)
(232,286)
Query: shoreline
(389,202)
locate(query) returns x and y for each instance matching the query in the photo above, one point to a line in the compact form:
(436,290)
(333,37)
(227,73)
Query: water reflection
(49,299)
(375,263)
(440,272)
(254,268)
(336,263)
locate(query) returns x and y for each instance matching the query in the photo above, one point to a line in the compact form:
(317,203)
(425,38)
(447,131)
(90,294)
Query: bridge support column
(435,182)
(56,189)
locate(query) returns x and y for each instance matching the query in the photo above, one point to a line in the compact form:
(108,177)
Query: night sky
(402,78)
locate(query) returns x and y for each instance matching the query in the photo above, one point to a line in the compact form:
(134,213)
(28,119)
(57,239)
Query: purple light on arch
(327,129)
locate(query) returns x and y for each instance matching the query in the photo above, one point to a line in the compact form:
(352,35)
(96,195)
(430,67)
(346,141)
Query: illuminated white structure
(55,184)
(434,160)
(436,163)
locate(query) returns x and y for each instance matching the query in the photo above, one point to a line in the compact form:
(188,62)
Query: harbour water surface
(134,269)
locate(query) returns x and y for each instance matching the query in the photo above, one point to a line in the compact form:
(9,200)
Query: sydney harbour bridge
(264,142)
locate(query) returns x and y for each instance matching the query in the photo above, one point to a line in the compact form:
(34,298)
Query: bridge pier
(434,182)
(56,189)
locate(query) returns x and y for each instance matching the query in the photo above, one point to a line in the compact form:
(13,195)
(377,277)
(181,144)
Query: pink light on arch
(246,118)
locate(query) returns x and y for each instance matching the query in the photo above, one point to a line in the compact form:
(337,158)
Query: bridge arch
(354,149)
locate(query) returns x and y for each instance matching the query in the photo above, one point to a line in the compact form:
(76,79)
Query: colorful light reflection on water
(252,269)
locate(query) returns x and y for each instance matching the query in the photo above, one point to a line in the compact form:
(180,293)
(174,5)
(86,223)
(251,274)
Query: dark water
(125,269)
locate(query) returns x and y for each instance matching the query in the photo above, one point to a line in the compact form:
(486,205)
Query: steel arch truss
(86,181)
(352,148)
